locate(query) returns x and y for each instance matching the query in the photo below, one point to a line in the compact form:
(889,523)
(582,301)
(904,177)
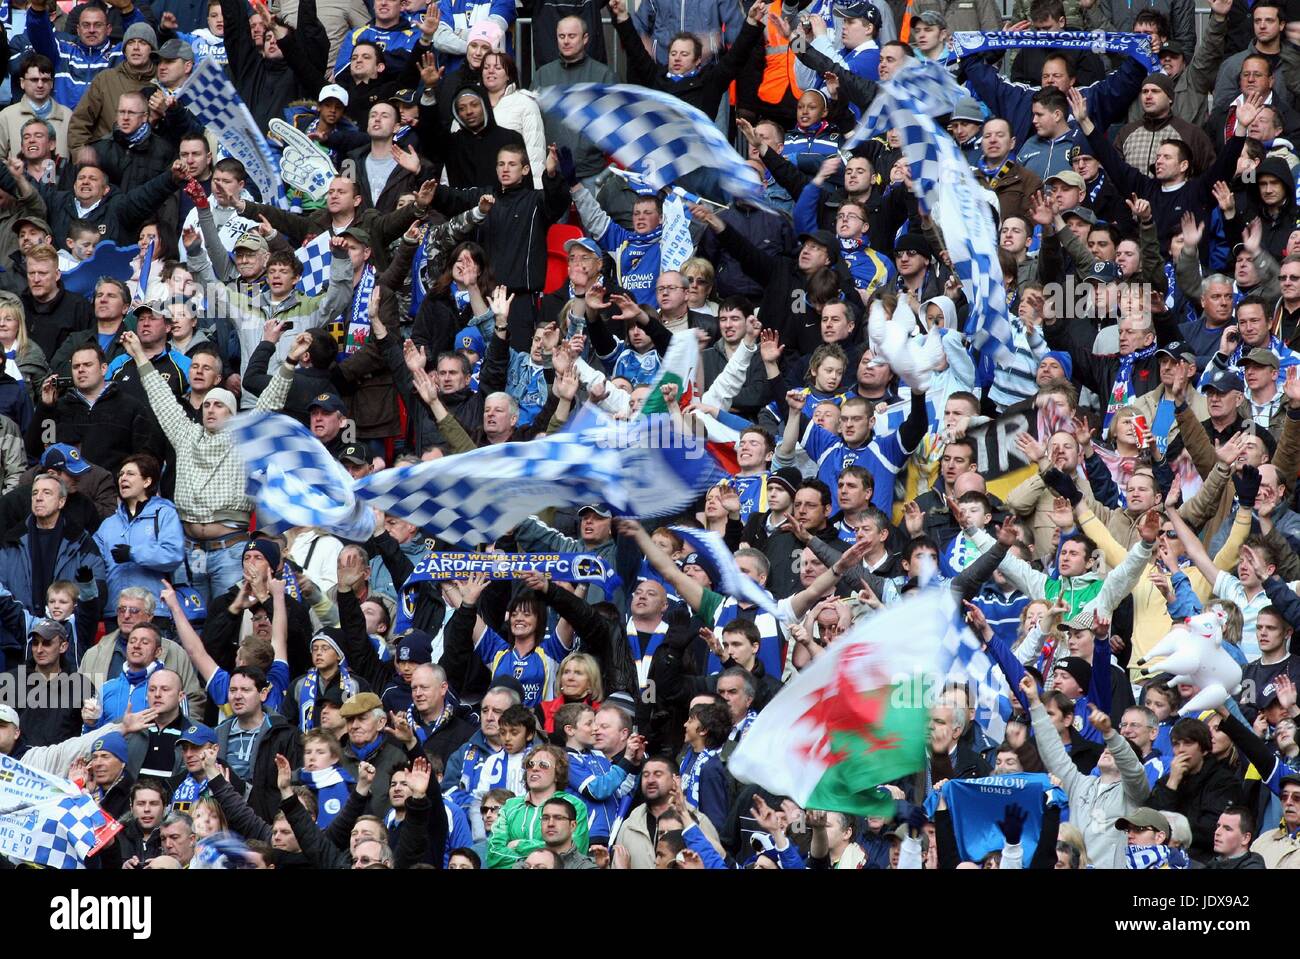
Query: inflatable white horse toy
(894,340)
(1195,655)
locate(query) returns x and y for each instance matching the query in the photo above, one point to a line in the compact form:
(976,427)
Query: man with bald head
(440,730)
(574,59)
(153,752)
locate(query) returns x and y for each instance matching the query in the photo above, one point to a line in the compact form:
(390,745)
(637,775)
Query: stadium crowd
(491,272)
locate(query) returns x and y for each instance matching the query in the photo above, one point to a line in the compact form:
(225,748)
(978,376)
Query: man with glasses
(36,77)
(559,821)
(107,658)
(520,831)
(584,266)
(133,153)
(1140,727)
(1286,314)
(1280,847)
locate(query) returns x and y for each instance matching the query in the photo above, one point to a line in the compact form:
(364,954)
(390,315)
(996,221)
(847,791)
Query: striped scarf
(643,657)
(358,329)
(311,689)
(419,726)
(1121,393)
(692,768)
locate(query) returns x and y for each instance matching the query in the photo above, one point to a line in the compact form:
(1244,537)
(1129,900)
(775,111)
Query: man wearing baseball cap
(55,692)
(594,522)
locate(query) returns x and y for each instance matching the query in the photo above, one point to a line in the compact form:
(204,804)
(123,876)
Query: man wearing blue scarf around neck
(368,742)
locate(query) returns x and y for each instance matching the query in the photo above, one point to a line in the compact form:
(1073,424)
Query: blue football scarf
(422,733)
(976,806)
(1135,45)
(369,749)
(359,318)
(187,794)
(138,136)
(311,689)
(1156,857)
(331,787)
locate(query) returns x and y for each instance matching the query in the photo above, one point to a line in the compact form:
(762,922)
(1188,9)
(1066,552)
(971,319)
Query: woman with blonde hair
(699,276)
(24,360)
(579,683)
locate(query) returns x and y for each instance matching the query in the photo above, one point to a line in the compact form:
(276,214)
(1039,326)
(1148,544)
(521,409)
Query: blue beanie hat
(1063,358)
(114,743)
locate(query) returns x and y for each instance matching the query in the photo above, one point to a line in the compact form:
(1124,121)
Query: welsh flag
(857,716)
(678,367)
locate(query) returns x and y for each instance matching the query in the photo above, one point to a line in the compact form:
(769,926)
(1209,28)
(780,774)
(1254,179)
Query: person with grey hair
(110,305)
(178,837)
(948,757)
(50,548)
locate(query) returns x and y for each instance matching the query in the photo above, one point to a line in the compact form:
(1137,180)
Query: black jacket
(514,233)
(128,166)
(118,215)
(1251,860)
(784,303)
(400,181)
(221,632)
(49,324)
(1201,797)
(471,155)
(267,86)
(107,433)
(702,91)
(281,738)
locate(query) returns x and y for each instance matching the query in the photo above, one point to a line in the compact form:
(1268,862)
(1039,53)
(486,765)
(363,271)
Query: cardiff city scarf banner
(1135,45)
(565,567)
(47,820)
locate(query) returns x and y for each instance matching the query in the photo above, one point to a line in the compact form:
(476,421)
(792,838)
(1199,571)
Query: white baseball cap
(332,91)
(8,715)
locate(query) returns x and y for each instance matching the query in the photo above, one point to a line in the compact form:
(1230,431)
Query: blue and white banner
(676,246)
(1135,45)
(294,480)
(315,259)
(724,574)
(977,805)
(946,189)
(563,567)
(641,467)
(963,659)
(652,132)
(47,820)
(211,97)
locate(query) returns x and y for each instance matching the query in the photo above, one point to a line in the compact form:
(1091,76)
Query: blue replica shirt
(639,257)
(537,671)
(640,369)
(602,785)
(396,43)
(883,457)
(752,491)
